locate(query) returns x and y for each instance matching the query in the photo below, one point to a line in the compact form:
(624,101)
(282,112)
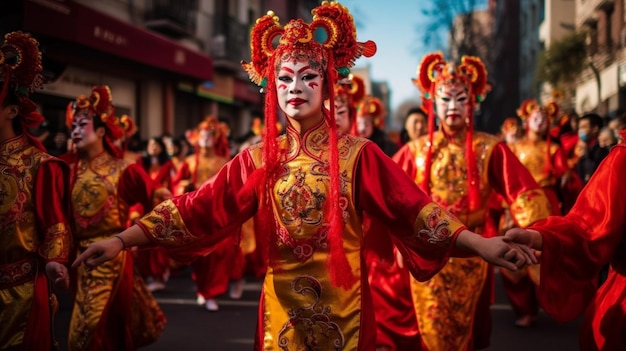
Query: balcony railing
(172,18)
(230,40)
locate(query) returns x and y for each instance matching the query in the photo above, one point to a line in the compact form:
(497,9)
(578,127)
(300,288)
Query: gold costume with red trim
(35,230)
(446,319)
(34,205)
(113,310)
(575,248)
(300,305)
(104,316)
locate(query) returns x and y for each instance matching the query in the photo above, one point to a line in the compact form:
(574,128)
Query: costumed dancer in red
(575,247)
(311,187)
(348,93)
(36,238)
(153,263)
(113,310)
(211,272)
(547,163)
(459,168)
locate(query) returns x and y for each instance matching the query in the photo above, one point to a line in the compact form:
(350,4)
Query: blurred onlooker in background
(618,123)
(607,138)
(589,126)
(56,142)
(415,125)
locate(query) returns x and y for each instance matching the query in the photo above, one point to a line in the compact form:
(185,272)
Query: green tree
(563,61)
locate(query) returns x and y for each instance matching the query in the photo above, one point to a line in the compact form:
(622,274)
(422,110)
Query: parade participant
(575,247)
(153,263)
(460,168)
(211,272)
(548,164)
(370,124)
(310,188)
(111,299)
(348,93)
(36,237)
(510,130)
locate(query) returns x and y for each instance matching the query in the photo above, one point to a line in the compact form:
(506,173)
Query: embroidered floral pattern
(310,327)
(164,221)
(16,272)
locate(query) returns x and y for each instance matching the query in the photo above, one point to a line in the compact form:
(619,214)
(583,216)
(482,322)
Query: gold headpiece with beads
(433,71)
(332,32)
(528,106)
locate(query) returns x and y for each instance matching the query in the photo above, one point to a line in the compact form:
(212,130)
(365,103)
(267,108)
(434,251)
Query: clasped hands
(514,250)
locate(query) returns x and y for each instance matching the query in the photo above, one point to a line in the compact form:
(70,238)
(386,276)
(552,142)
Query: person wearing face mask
(310,187)
(460,168)
(589,126)
(370,124)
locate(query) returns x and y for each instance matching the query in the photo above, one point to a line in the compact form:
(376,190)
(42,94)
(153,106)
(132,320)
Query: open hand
(99,252)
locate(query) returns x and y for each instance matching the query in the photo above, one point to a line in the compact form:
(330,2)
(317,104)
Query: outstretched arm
(105,250)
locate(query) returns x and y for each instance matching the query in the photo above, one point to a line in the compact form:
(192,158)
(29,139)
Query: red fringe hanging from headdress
(431,131)
(341,273)
(470,156)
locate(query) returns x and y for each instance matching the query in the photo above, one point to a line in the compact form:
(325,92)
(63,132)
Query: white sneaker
(200,300)
(155,286)
(236,289)
(211,305)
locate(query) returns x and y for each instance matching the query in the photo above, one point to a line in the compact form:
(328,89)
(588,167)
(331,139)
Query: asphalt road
(232,328)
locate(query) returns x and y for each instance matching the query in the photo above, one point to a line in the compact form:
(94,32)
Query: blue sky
(393,25)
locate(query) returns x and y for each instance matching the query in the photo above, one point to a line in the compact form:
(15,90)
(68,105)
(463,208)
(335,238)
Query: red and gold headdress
(509,124)
(98,106)
(433,72)
(371,106)
(20,72)
(220,131)
(328,43)
(528,106)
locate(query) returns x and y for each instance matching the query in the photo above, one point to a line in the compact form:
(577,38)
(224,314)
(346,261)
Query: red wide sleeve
(576,246)
(514,183)
(424,232)
(136,187)
(192,224)
(52,206)
(405,158)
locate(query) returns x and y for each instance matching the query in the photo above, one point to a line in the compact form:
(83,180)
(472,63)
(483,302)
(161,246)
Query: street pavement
(232,328)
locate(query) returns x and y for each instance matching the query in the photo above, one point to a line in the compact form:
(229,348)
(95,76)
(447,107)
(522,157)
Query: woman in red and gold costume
(575,247)
(109,299)
(548,164)
(34,206)
(348,93)
(460,168)
(211,272)
(310,187)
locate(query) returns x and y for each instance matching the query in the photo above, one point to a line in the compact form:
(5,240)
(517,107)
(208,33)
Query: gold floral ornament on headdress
(98,104)
(434,71)
(20,70)
(528,106)
(372,107)
(332,31)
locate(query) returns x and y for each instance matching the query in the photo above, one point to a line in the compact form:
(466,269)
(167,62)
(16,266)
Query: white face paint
(537,122)
(452,102)
(83,133)
(364,126)
(206,138)
(342,114)
(299,90)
